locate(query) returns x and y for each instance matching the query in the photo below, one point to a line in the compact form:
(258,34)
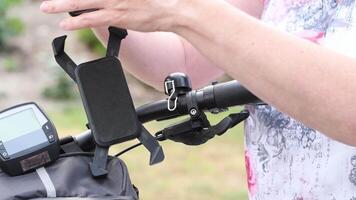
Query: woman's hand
(139,15)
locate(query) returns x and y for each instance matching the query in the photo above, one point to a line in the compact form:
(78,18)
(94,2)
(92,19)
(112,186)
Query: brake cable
(157,137)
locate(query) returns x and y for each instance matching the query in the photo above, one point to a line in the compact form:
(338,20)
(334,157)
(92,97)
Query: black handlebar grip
(232,93)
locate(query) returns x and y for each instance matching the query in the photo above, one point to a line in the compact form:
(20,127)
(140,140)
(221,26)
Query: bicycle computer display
(28,140)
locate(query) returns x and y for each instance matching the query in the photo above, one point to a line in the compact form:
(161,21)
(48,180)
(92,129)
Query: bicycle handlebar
(216,96)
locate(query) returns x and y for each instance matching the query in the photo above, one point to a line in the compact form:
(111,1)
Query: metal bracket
(172,96)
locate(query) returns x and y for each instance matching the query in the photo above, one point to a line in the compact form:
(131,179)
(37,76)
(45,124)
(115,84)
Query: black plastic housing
(31,159)
(107,101)
(44,157)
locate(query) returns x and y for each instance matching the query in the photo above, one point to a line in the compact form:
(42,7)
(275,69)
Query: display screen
(21,131)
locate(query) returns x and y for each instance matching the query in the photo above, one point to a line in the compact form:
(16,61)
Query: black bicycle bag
(70,179)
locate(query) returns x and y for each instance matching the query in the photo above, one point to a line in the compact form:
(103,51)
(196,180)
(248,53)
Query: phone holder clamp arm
(115,38)
(62,58)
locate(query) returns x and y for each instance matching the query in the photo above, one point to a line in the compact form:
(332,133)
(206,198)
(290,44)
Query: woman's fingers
(57,6)
(88,20)
(140,15)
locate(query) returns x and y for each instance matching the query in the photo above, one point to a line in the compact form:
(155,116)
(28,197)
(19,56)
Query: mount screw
(193,112)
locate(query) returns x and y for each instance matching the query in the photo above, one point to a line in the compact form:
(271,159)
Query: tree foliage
(9,26)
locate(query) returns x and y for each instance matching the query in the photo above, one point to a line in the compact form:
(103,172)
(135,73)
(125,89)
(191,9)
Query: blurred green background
(28,72)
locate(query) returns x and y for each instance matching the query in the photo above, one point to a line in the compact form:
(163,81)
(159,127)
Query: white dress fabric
(286,160)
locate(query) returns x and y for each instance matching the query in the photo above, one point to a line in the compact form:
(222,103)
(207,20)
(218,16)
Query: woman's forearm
(153,56)
(314,85)
(149,56)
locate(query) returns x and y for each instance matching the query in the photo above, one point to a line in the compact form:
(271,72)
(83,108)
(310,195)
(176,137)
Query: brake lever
(193,132)
(186,126)
(229,122)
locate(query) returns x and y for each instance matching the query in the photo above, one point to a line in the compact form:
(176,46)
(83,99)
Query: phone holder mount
(107,101)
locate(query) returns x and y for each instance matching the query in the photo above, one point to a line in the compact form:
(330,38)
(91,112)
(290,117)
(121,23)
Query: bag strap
(47,182)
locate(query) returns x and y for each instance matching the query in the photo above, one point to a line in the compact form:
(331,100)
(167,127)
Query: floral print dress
(286,160)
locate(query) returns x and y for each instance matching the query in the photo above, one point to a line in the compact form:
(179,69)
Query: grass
(211,171)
